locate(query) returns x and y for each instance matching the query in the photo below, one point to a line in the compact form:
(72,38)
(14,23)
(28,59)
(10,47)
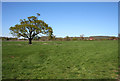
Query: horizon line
(68,36)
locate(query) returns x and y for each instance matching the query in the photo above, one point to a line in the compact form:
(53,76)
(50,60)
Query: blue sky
(66,18)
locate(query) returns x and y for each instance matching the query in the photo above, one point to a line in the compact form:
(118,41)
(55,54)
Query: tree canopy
(31,27)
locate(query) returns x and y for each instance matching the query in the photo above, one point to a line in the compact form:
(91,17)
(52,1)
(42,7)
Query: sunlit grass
(60,60)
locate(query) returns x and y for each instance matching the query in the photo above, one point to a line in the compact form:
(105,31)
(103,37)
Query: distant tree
(30,28)
(82,36)
(67,38)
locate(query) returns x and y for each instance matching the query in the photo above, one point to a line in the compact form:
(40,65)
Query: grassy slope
(60,59)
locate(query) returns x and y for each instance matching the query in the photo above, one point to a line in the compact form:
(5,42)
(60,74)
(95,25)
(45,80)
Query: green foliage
(31,27)
(74,38)
(60,60)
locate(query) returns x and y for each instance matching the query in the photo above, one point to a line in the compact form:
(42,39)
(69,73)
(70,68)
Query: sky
(66,18)
(60,0)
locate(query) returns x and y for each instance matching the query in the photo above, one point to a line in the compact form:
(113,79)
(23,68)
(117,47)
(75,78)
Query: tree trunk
(30,41)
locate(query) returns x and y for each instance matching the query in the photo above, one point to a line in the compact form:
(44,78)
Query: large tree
(30,28)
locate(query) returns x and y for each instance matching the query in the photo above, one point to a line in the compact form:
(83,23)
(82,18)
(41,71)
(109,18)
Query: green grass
(60,60)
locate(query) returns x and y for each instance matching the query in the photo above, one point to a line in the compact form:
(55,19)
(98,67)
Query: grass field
(60,60)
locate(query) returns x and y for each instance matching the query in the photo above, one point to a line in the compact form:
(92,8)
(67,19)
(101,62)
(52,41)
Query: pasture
(60,60)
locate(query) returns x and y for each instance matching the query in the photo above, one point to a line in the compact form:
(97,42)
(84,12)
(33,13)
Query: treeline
(67,38)
(8,38)
(87,38)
